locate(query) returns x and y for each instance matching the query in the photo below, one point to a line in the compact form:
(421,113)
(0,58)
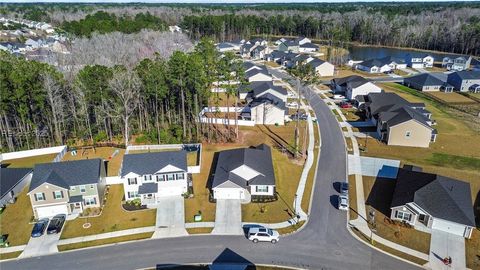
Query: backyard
(112,218)
(106,153)
(29,162)
(15,220)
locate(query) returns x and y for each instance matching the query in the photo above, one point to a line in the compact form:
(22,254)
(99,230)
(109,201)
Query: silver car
(343,203)
(261,234)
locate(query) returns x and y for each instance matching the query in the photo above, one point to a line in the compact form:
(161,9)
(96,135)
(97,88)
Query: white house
(374,66)
(256,75)
(257,89)
(420,61)
(322,68)
(244,174)
(266,109)
(429,201)
(308,48)
(151,176)
(354,86)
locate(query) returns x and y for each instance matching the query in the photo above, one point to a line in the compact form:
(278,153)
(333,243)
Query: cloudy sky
(214,1)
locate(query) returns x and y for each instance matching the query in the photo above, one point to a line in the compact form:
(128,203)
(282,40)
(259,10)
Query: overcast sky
(216,1)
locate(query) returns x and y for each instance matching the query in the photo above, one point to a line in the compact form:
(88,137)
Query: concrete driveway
(228,218)
(43,245)
(378,167)
(443,244)
(170,218)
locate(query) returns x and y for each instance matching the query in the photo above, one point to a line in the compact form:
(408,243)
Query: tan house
(400,122)
(67,187)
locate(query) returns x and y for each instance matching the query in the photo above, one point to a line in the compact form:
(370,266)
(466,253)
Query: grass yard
(378,195)
(29,162)
(203,230)
(113,217)
(352,197)
(452,97)
(100,242)
(307,195)
(14,220)
(105,153)
(10,255)
(223,101)
(191,156)
(291,229)
(472,250)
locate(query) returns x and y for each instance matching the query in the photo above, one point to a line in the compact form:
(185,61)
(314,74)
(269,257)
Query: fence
(112,180)
(61,150)
(223,121)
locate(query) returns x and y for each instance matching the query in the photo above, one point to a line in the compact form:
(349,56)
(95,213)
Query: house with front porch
(244,174)
(151,176)
(67,187)
(429,201)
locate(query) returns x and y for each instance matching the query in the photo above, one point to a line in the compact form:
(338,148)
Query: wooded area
(156,101)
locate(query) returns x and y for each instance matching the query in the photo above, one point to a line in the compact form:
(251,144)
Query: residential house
(256,75)
(279,41)
(257,41)
(67,187)
(429,201)
(152,176)
(259,52)
(322,68)
(419,61)
(266,109)
(400,122)
(475,64)
(244,174)
(465,81)
(374,66)
(225,47)
(247,48)
(289,46)
(427,82)
(13,181)
(33,43)
(308,48)
(457,64)
(258,89)
(354,86)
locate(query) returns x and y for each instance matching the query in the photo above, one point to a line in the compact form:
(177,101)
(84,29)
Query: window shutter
(43,195)
(61,192)
(54,197)
(35,196)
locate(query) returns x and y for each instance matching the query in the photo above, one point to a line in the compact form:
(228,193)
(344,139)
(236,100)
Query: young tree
(55,100)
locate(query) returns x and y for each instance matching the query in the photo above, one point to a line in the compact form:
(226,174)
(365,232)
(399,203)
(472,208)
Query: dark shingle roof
(150,163)
(468,75)
(258,158)
(254,72)
(269,99)
(380,102)
(309,45)
(424,79)
(316,62)
(440,196)
(67,173)
(353,78)
(147,188)
(257,88)
(10,177)
(403,114)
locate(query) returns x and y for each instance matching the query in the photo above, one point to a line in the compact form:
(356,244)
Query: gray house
(457,64)
(465,81)
(13,181)
(243,173)
(429,201)
(427,82)
(67,187)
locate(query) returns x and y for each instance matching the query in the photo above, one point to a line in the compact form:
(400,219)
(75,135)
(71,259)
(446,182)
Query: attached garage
(450,227)
(50,211)
(229,193)
(170,191)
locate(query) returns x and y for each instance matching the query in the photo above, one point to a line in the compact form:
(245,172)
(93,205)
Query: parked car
(388,72)
(3,241)
(56,224)
(338,97)
(344,188)
(262,234)
(345,105)
(301,116)
(292,104)
(39,227)
(342,203)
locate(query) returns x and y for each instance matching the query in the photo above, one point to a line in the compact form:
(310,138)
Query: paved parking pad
(228,218)
(43,245)
(443,244)
(170,218)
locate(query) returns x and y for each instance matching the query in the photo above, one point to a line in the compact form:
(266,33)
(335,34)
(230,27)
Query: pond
(367,52)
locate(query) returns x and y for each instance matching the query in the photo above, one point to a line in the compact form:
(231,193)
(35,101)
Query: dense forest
(155,101)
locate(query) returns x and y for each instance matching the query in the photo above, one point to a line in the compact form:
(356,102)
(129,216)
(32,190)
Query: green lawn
(14,220)
(113,218)
(29,162)
(106,153)
(106,241)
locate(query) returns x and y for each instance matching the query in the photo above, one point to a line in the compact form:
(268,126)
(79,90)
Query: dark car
(56,224)
(344,188)
(39,227)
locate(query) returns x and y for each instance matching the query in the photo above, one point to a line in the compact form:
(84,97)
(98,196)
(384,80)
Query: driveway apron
(170,218)
(443,244)
(228,218)
(43,245)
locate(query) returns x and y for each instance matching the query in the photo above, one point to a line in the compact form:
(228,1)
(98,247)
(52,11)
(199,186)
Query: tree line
(156,101)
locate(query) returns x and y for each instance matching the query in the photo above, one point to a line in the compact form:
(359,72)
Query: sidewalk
(106,235)
(12,249)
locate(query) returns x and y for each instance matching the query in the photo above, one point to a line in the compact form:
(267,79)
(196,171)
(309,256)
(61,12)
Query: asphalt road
(324,243)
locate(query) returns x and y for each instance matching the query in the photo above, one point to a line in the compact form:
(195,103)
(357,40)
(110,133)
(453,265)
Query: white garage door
(450,227)
(229,193)
(50,211)
(170,191)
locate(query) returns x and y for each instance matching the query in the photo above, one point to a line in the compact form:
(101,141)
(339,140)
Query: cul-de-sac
(242,135)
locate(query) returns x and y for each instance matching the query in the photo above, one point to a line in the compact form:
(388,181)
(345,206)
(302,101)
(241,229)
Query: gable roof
(10,177)
(467,75)
(257,88)
(309,45)
(257,158)
(379,102)
(254,72)
(268,99)
(373,62)
(316,63)
(150,163)
(403,114)
(442,197)
(67,173)
(353,78)
(425,79)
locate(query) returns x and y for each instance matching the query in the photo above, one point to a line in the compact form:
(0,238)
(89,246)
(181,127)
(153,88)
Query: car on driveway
(345,105)
(56,224)
(39,227)
(344,188)
(342,203)
(262,234)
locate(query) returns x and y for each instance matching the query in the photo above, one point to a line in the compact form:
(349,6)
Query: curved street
(323,243)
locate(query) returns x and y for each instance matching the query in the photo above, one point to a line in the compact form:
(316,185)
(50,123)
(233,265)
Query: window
(180,176)
(147,178)
(92,186)
(170,177)
(408,134)
(133,194)
(132,181)
(72,188)
(261,188)
(58,194)
(403,216)
(90,201)
(82,189)
(160,178)
(39,196)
